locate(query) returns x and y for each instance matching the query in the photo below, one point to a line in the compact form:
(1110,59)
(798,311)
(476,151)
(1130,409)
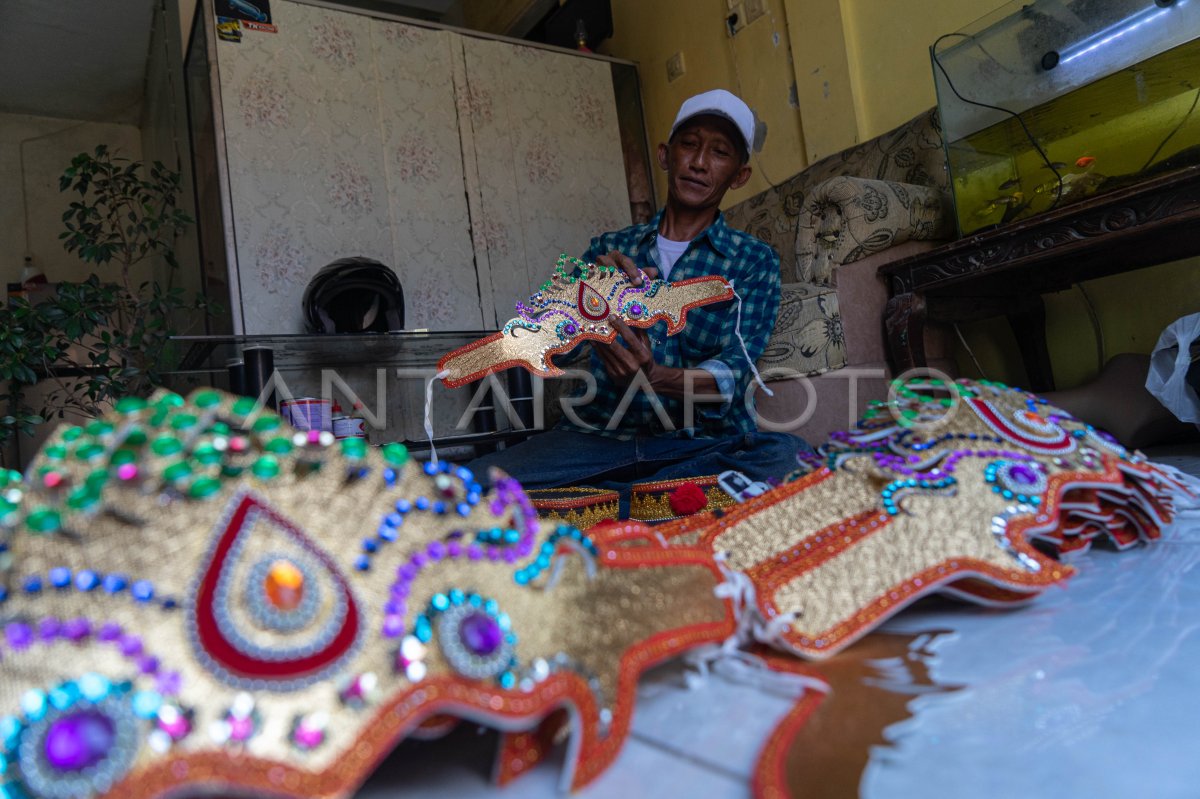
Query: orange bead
(284,585)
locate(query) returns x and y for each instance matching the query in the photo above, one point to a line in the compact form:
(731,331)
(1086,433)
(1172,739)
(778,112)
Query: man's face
(703,161)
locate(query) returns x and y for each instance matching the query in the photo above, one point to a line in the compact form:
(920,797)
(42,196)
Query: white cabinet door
(548,172)
(465,164)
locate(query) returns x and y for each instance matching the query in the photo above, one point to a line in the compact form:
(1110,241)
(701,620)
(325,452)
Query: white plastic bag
(1169,364)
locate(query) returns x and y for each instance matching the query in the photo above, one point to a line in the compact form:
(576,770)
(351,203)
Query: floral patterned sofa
(833,224)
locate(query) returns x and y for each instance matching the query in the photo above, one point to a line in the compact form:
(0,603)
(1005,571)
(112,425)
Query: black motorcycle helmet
(354,295)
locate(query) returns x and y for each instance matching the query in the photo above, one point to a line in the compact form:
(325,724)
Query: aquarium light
(1113,32)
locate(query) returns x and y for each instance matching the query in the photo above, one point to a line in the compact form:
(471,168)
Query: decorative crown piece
(573,307)
(193,592)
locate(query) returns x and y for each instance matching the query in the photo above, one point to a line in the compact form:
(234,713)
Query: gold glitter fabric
(581,506)
(193,593)
(651,502)
(943,489)
(573,307)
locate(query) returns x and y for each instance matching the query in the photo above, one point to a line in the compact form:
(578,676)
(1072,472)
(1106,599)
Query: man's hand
(626,265)
(623,363)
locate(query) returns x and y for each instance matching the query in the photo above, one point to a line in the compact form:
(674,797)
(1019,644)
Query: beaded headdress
(193,593)
(573,307)
(971,489)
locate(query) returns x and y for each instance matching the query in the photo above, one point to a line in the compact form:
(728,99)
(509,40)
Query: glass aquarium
(1046,103)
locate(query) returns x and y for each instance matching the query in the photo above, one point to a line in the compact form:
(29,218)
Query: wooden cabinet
(464,163)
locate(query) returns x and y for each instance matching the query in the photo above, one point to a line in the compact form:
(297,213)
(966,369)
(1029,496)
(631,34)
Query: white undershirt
(668,253)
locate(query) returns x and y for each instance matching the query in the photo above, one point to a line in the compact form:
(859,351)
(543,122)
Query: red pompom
(687,499)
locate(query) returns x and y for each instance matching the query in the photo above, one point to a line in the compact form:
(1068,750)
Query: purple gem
(168,682)
(130,645)
(636,309)
(19,635)
(109,631)
(49,628)
(474,552)
(480,634)
(147,664)
(436,550)
(76,629)
(1023,474)
(393,626)
(454,549)
(79,740)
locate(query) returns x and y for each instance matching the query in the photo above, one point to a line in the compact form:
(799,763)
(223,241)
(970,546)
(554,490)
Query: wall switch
(675,66)
(754,9)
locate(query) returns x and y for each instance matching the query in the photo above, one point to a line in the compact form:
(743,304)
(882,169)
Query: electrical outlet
(736,19)
(675,66)
(754,9)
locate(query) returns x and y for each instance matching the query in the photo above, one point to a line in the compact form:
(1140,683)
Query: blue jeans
(559,458)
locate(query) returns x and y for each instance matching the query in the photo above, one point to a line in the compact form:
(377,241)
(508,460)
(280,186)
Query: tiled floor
(1093,690)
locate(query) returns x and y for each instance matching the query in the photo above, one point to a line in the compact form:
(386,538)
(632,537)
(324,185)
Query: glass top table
(382,377)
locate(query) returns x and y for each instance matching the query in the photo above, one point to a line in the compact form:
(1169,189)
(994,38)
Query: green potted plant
(103,338)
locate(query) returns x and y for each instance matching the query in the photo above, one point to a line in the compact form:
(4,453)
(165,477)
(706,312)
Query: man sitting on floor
(679,406)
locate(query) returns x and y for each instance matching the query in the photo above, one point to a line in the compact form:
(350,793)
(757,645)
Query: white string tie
(429,412)
(737,328)
(729,661)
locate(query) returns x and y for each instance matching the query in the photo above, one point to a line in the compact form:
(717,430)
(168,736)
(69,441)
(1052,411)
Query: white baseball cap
(723,104)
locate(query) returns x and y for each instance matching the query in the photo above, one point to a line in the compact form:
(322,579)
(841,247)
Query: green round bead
(266,467)
(244,406)
(183,421)
(206,399)
(207,454)
(55,452)
(395,454)
(96,480)
(72,434)
(136,437)
(177,471)
(169,400)
(43,520)
(99,428)
(280,445)
(204,487)
(265,424)
(122,457)
(82,498)
(219,429)
(166,445)
(229,470)
(128,405)
(354,448)
(86,452)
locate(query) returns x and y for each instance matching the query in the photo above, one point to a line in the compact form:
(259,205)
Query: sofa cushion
(808,338)
(849,218)
(911,153)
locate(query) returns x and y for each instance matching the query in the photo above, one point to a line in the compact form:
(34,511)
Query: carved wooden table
(1005,271)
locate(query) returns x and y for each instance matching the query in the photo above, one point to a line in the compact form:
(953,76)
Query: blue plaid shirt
(708,341)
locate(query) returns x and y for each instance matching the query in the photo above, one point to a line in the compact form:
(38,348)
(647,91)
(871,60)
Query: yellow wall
(756,65)
(859,68)
(886,46)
